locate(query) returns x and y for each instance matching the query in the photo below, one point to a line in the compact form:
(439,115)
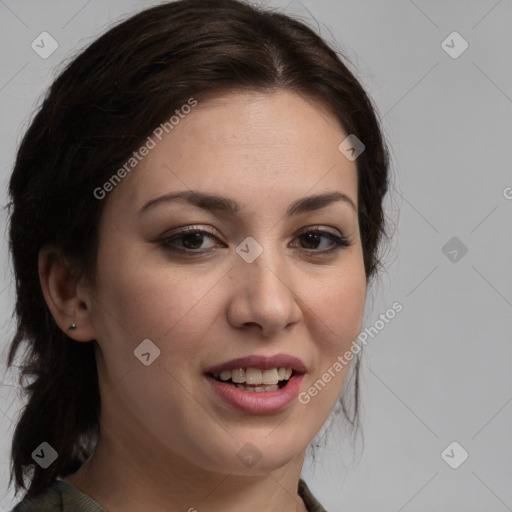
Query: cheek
(154,300)
(337,309)
(338,306)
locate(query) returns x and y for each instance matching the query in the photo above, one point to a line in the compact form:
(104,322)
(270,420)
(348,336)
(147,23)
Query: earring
(72,327)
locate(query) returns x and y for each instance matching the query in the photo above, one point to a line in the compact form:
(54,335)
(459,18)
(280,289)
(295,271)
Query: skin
(166,441)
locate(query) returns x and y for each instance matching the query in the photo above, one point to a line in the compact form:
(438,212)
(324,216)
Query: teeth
(270,376)
(225,375)
(259,389)
(238,375)
(255,376)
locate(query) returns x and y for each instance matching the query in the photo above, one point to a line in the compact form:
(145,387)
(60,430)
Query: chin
(255,457)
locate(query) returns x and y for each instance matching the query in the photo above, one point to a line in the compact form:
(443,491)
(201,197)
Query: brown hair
(95,114)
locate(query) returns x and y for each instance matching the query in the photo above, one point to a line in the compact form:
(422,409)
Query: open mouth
(254,382)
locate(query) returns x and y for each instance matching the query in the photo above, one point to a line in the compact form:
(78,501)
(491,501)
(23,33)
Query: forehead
(254,147)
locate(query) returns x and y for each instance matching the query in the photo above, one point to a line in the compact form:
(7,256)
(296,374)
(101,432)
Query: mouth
(257,384)
(256,380)
(256,398)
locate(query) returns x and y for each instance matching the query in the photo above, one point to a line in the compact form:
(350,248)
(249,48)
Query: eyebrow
(216,203)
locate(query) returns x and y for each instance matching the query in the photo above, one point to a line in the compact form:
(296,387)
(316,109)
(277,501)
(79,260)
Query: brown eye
(313,240)
(191,240)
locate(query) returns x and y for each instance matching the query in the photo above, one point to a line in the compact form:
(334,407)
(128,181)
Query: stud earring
(72,327)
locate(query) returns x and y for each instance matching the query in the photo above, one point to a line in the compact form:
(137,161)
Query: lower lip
(263,402)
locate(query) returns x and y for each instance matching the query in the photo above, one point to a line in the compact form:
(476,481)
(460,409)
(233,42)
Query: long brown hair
(96,113)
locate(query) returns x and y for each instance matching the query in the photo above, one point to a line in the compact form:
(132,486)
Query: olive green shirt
(64,497)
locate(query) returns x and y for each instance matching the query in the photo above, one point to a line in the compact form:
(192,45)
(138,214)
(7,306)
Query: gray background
(440,370)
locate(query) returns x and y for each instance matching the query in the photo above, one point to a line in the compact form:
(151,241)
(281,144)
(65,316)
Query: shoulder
(49,500)
(63,497)
(59,497)
(309,500)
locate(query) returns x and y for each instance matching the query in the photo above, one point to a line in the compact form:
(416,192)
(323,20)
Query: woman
(196,214)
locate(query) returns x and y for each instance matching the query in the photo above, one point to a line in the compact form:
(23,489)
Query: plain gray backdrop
(436,380)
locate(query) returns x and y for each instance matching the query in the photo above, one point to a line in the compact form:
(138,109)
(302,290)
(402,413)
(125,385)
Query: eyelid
(321,228)
(191,228)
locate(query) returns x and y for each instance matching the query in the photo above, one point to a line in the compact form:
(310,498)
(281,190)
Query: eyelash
(339,242)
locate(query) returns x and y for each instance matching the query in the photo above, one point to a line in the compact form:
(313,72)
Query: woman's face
(206,299)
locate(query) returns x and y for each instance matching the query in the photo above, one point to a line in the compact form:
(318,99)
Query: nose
(264,296)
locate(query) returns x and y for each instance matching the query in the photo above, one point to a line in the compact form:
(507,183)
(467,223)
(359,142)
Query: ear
(67,297)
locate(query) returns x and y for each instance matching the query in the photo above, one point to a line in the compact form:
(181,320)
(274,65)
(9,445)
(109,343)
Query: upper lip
(262,362)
